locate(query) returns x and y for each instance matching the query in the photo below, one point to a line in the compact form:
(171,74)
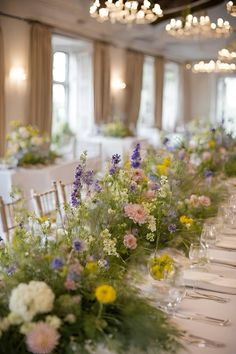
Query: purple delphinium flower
(57,263)
(136,158)
(77,186)
(88,177)
(77,245)
(115,160)
(208,173)
(165,140)
(11,270)
(97,187)
(172,228)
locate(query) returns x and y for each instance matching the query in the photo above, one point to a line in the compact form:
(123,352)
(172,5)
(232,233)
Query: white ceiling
(73,17)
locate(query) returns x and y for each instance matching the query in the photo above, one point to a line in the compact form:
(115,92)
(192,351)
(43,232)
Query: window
(60,88)
(226,103)
(171,97)
(72,86)
(147,104)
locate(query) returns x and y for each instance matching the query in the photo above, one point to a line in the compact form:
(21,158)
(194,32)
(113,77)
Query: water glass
(209,235)
(198,255)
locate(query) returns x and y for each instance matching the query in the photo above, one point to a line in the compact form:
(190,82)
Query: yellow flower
(211,144)
(91,267)
(186,220)
(42,219)
(105,294)
(162,170)
(166,161)
(127,165)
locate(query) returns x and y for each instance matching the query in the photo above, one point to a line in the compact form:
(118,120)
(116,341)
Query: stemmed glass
(209,235)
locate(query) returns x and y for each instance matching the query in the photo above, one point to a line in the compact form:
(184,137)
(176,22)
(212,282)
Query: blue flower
(115,160)
(11,270)
(208,173)
(57,263)
(88,178)
(97,187)
(172,228)
(78,245)
(77,186)
(133,186)
(136,158)
(165,141)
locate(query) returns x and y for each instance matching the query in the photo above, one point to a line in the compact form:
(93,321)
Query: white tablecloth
(40,178)
(111,146)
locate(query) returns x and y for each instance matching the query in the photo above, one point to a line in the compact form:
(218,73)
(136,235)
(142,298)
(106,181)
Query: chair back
(47,203)
(8,215)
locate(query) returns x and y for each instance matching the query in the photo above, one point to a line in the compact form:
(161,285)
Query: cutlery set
(202,342)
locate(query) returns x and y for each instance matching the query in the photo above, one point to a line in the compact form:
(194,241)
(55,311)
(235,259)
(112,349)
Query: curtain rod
(62,31)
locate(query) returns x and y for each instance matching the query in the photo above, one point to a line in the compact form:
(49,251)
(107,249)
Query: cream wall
(16,36)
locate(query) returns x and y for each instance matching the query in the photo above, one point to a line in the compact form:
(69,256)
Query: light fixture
(225,54)
(231,8)
(213,67)
(126,11)
(118,85)
(193,26)
(17,74)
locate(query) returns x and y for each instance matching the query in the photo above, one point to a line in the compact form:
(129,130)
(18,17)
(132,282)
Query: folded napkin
(228,243)
(209,281)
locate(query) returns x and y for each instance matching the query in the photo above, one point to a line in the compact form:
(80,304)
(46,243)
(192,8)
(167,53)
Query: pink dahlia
(130,241)
(138,174)
(42,339)
(136,212)
(204,201)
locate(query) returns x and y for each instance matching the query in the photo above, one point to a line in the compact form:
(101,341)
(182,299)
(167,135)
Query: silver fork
(201,296)
(202,318)
(202,342)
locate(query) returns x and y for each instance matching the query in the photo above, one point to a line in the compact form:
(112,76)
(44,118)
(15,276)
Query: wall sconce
(118,85)
(17,74)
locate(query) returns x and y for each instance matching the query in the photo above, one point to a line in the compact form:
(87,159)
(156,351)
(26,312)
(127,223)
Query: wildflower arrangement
(116,130)
(27,147)
(210,150)
(161,266)
(56,298)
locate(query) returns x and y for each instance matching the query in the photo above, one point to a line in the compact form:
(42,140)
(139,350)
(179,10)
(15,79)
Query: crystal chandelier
(126,11)
(225,54)
(193,26)
(213,67)
(231,8)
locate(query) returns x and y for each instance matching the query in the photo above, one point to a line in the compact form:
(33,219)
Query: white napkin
(229,243)
(210,281)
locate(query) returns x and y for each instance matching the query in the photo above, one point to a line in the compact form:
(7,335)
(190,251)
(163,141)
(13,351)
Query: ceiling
(72,16)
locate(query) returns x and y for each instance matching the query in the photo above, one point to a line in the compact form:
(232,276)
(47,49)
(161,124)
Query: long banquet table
(40,178)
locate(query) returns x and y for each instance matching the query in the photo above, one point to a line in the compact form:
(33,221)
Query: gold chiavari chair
(47,203)
(8,215)
(65,192)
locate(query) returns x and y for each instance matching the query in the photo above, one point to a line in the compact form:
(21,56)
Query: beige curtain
(102,92)
(159,83)
(134,78)
(41,78)
(2,98)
